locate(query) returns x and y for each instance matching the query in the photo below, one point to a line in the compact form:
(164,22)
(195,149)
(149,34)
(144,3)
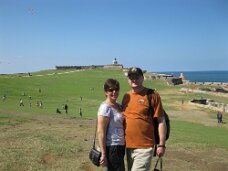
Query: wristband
(163,146)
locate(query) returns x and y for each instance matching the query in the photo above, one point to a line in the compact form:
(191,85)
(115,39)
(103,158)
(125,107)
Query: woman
(110,129)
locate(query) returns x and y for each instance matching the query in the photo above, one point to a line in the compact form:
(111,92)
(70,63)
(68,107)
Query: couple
(129,123)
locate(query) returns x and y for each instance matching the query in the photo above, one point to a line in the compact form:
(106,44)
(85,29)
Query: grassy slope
(59,89)
(55,91)
(67,88)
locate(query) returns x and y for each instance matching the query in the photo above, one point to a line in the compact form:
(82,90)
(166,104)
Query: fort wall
(111,66)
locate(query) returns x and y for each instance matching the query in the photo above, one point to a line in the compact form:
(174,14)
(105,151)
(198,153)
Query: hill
(35,138)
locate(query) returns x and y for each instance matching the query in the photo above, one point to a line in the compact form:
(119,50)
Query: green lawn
(65,144)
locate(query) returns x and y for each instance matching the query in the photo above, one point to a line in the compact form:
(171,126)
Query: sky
(156,35)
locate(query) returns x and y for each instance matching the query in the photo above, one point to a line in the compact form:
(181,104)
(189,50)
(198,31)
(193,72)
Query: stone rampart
(113,66)
(210,104)
(208,83)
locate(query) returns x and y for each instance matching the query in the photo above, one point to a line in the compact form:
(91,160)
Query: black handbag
(94,154)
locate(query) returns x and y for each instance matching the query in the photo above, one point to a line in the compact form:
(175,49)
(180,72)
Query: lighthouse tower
(114,62)
(182,76)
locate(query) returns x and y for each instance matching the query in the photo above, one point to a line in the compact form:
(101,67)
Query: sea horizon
(201,76)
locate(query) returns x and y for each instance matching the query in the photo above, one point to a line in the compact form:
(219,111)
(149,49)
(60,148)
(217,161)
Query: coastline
(167,77)
(219,76)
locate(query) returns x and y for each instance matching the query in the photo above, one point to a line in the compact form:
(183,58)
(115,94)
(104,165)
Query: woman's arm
(101,131)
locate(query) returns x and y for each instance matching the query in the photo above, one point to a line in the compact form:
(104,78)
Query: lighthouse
(182,76)
(114,62)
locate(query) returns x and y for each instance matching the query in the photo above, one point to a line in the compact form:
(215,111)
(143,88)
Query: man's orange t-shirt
(139,126)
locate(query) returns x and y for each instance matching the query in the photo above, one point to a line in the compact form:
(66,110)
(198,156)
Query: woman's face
(112,93)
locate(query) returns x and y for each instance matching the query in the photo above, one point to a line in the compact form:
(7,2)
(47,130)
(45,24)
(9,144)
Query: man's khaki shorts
(139,159)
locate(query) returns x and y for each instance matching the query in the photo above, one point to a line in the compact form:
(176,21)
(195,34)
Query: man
(139,126)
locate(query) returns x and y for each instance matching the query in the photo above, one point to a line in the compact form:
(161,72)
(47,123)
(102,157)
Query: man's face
(135,80)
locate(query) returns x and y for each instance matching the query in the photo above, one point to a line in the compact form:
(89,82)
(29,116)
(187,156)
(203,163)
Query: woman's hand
(103,160)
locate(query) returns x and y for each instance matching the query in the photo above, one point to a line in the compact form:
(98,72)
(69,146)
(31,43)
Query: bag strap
(95,135)
(150,110)
(159,159)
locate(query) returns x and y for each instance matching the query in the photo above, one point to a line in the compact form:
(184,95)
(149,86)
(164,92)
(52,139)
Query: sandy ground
(80,132)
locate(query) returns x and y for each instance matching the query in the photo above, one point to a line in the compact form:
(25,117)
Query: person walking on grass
(139,126)
(110,129)
(21,102)
(4,98)
(66,108)
(80,112)
(219,117)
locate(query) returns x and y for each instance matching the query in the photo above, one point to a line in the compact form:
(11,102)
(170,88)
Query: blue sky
(156,35)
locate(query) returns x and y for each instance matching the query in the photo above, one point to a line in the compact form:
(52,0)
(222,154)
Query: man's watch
(163,146)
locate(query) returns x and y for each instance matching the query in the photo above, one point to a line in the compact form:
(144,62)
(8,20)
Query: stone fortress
(114,65)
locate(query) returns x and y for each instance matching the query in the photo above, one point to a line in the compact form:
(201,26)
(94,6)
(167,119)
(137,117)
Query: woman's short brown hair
(111,84)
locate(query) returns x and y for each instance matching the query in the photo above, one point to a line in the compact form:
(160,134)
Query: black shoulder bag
(94,154)
(155,121)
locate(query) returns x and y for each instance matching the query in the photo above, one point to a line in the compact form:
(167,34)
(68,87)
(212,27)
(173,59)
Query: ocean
(201,76)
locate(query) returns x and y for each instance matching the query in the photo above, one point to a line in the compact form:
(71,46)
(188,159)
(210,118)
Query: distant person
(21,102)
(219,117)
(111,129)
(58,111)
(139,126)
(41,104)
(66,108)
(81,98)
(80,112)
(39,90)
(4,98)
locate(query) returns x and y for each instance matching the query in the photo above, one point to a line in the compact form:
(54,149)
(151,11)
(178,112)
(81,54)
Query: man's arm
(162,136)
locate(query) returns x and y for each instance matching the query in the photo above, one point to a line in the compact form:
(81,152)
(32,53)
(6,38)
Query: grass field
(34,138)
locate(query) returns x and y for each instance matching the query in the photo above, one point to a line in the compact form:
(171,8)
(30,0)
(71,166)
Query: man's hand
(160,150)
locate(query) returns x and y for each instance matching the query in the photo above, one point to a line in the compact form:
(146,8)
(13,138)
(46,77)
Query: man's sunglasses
(134,77)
